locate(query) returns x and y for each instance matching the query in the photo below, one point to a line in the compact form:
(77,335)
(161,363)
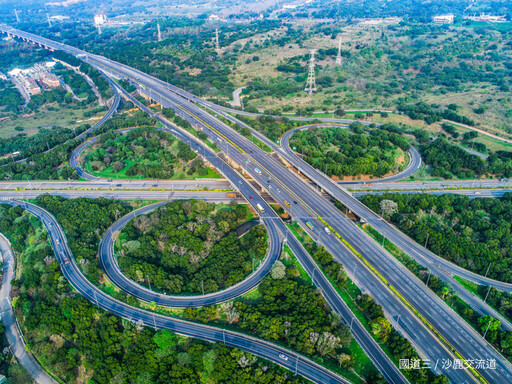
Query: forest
(339,152)
(75,340)
(472,233)
(448,160)
(145,152)
(10,98)
(190,245)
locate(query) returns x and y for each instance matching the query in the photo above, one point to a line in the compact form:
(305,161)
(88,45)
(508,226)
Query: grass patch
(469,285)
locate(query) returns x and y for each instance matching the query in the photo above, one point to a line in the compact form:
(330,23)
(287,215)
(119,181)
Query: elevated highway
(389,278)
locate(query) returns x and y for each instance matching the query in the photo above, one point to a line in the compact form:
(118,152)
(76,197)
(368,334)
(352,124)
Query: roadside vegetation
(339,152)
(48,152)
(447,160)
(472,233)
(370,314)
(485,325)
(190,246)
(77,342)
(144,152)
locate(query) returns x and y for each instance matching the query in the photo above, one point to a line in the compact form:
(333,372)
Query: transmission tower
(217,45)
(159,32)
(311,82)
(338,58)
(17,17)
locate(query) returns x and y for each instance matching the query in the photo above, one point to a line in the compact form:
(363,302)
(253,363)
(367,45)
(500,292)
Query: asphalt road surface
(412,167)
(109,264)
(168,185)
(294,362)
(443,319)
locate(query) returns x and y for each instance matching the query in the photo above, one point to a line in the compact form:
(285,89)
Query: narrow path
(236,97)
(12,331)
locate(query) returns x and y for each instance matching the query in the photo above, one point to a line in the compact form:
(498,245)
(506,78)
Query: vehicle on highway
(287,203)
(250,197)
(294,202)
(260,208)
(327,230)
(310,226)
(57,241)
(65,258)
(257,170)
(283,356)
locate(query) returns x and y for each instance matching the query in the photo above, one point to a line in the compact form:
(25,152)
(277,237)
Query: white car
(283,356)
(57,241)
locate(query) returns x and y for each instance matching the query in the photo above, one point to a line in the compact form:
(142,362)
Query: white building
(100,19)
(444,19)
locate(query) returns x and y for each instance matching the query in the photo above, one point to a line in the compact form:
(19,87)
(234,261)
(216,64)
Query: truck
(286,202)
(260,208)
(310,226)
(232,195)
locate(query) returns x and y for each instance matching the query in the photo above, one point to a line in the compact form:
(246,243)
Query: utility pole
(485,333)
(311,82)
(159,32)
(217,45)
(17,17)
(338,58)
(489,291)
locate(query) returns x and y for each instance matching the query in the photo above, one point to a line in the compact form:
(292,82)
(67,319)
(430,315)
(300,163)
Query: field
(386,67)
(47,117)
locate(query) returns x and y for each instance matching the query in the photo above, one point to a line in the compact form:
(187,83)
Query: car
(286,202)
(155,185)
(57,241)
(283,356)
(294,202)
(327,230)
(250,197)
(118,185)
(66,260)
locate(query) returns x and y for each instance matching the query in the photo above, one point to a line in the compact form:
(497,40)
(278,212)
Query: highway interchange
(282,184)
